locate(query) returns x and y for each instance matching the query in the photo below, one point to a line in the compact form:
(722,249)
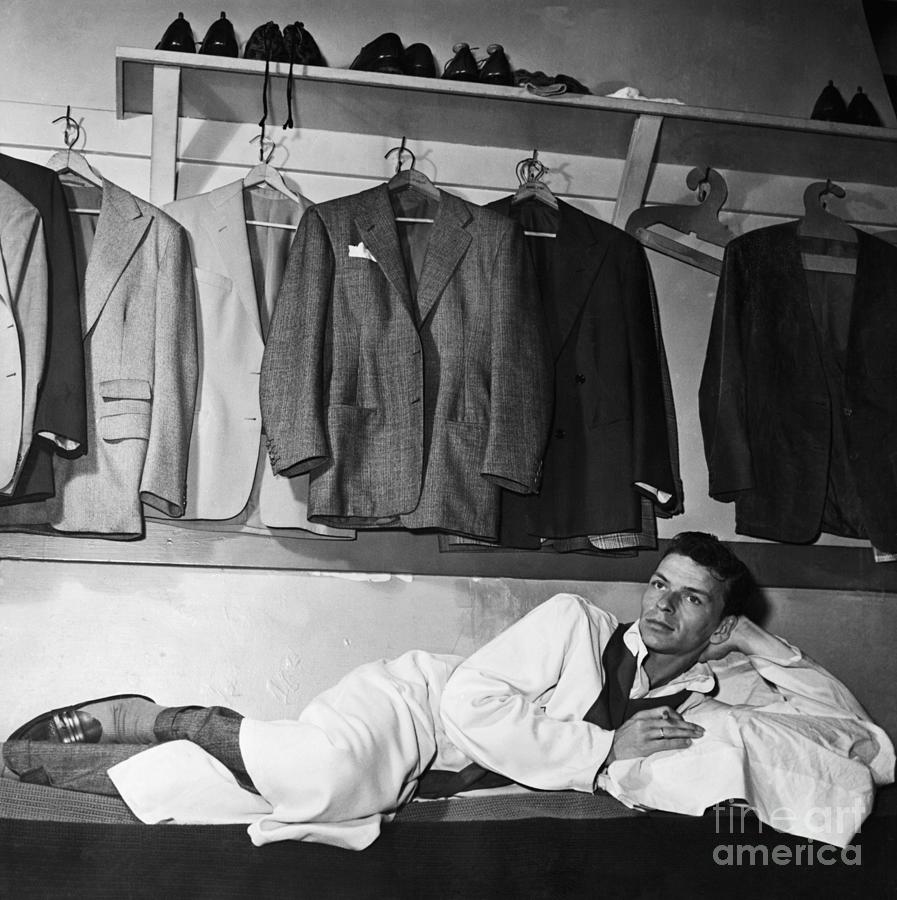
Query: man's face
(681,608)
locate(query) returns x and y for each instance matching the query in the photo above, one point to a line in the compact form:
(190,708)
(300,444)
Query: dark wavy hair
(708,551)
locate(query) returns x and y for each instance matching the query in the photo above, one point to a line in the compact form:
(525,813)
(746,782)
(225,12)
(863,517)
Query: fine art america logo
(730,821)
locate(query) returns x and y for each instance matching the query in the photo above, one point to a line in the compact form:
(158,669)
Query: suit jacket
(139,332)
(23,328)
(767,415)
(226,445)
(408,408)
(609,433)
(60,417)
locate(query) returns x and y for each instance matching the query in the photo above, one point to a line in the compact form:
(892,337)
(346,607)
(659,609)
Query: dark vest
(610,710)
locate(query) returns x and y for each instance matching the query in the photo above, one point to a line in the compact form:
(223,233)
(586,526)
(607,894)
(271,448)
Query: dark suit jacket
(609,430)
(61,404)
(766,410)
(408,408)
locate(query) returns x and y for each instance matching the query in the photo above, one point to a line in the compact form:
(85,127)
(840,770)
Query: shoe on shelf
(462,66)
(418,60)
(383,54)
(301,46)
(496,69)
(178,37)
(220,39)
(116,717)
(860,110)
(830,105)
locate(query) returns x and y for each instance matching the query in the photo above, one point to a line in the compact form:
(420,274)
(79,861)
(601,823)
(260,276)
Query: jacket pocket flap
(120,426)
(126,389)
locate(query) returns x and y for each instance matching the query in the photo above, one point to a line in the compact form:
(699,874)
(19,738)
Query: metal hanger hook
(272,145)
(72,132)
(400,150)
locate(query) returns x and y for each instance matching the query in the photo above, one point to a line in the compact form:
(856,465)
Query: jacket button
(847,411)
(560,433)
(580,378)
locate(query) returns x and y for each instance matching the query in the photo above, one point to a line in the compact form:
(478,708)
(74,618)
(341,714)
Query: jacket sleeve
(292,380)
(652,467)
(522,385)
(62,407)
(163,483)
(722,396)
(491,704)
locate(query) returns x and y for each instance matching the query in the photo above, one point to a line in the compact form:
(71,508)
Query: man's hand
(651,731)
(749,638)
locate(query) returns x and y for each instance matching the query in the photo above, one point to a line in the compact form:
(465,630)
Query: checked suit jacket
(409,408)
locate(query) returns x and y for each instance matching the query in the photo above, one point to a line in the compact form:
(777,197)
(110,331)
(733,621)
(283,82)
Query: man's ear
(724,629)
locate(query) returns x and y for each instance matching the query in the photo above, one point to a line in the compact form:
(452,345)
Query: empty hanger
(263,173)
(818,222)
(410,180)
(700,219)
(70,161)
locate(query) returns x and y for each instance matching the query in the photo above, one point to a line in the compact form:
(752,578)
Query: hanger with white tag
(818,222)
(266,175)
(530,172)
(71,162)
(411,179)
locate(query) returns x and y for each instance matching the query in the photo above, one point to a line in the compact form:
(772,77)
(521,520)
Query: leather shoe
(462,67)
(178,37)
(68,724)
(220,39)
(496,69)
(860,110)
(830,105)
(418,60)
(383,54)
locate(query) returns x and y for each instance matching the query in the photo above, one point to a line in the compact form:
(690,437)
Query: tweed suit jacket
(60,423)
(226,442)
(23,329)
(138,321)
(767,414)
(407,409)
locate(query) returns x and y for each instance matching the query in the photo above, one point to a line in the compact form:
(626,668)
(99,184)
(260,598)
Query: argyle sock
(126,721)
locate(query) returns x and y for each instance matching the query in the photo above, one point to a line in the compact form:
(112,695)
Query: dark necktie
(610,710)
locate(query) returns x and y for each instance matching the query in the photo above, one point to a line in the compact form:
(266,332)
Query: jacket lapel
(120,227)
(377,229)
(579,256)
(227,229)
(448,243)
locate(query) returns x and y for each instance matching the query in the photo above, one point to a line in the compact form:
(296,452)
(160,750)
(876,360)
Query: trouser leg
(215,728)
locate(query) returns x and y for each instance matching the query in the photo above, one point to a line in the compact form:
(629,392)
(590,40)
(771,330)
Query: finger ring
(661,733)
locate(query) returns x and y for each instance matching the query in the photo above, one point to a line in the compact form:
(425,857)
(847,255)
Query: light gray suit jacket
(23,328)
(227,426)
(408,409)
(139,327)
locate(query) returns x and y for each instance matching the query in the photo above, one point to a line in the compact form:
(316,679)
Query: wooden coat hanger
(263,173)
(818,222)
(530,172)
(71,162)
(701,220)
(410,179)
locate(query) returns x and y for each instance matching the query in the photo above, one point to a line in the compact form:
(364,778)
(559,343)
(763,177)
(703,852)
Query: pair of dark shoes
(830,107)
(386,54)
(494,70)
(220,39)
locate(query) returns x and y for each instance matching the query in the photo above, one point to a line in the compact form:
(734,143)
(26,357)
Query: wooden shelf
(344,100)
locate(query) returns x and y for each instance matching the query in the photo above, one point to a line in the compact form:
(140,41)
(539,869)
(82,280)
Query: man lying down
(690,705)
